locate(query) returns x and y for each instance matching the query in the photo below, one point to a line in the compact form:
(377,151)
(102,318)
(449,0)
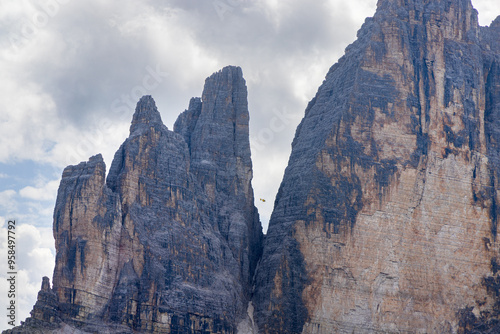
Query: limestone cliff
(169,241)
(386,218)
(224,171)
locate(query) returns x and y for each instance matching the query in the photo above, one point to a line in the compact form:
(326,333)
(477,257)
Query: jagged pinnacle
(145,113)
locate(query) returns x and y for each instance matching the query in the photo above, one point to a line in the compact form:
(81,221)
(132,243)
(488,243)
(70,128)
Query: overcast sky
(72,71)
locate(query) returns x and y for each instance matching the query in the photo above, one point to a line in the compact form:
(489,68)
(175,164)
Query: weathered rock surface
(386,218)
(224,170)
(169,241)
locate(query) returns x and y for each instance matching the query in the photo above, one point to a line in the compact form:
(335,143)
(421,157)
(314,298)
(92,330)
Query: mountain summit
(169,242)
(386,218)
(146,113)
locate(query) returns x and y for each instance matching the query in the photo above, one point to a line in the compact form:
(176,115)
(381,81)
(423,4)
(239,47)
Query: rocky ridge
(386,220)
(168,242)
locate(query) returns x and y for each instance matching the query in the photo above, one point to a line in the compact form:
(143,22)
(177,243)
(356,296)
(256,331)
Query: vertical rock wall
(386,219)
(217,134)
(169,241)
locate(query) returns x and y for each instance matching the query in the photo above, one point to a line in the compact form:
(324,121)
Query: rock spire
(169,241)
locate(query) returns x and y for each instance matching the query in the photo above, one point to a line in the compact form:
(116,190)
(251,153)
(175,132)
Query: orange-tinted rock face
(388,207)
(85,237)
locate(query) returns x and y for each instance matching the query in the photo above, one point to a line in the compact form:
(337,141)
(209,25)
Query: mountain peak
(411,3)
(230,78)
(413,8)
(496,22)
(146,113)
(170,227)
(232,70)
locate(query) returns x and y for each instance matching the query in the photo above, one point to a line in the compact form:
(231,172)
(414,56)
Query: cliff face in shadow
(386,218)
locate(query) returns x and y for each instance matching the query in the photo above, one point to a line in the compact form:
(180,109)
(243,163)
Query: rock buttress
(386,217)
(87,229)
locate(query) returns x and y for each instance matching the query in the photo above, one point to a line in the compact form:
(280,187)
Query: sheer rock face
(225,170)
(386,218)
(169,242)
(385,222)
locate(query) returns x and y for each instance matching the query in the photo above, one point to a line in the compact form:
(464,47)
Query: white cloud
(8,203)
(34,259)
(488,10)
(35,253)
(46,192)
(23,122)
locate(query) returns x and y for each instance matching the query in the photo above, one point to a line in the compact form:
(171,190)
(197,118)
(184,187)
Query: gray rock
(400,109)
(224,171)
(169,242)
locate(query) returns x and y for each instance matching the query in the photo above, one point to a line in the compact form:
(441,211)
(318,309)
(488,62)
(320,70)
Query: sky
(72,71)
